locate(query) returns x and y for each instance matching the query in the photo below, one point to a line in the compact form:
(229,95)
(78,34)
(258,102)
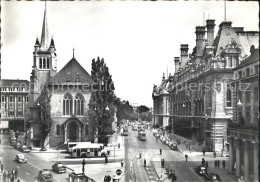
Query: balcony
(244,132)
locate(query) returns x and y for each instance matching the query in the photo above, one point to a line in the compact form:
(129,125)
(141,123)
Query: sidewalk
(1,178)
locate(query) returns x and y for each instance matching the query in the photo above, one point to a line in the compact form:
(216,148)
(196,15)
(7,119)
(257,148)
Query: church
(70,90)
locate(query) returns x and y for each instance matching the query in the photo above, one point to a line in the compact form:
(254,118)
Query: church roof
(72,72)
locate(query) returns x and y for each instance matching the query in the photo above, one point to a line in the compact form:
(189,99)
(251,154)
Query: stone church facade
(70,91)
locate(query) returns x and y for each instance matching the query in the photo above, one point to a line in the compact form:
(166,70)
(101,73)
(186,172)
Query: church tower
(44,61)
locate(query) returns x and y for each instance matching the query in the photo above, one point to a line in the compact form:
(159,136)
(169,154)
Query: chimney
(184,54)
(176,61)
(210,31)
(200,40)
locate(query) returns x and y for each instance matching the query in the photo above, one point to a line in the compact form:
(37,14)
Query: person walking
(16,172)
(2,167)
(163,162)
(214,153)
(203,151)
(119,145)
(144,163)
(106,160)
(218,163)
(122,163)
(223,164)
(207,164)
(186,157)
(108,178)
(4,176)
(160,151)
(203,161)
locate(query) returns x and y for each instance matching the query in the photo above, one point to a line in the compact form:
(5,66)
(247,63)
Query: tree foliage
(142,108)
(45,114)
(102,98)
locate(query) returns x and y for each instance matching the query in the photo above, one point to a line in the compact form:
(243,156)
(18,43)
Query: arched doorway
(73,132)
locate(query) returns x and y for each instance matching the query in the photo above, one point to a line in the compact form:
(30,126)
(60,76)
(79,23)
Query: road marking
(40,169)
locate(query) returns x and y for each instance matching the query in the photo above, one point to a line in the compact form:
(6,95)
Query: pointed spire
(45,34)
(37,43)
(73,52)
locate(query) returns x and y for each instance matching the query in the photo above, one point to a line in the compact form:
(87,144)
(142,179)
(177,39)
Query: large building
(70,91)
(14,100)
(244,129)
(200,97)
(161,104)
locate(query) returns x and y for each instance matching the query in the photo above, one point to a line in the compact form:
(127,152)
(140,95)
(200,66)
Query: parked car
(18,144)
(73,175)
(20,158)
(212,177)
(25,149)
(58,167)
(201,170)
(13,142)
(174,146)
(45,175)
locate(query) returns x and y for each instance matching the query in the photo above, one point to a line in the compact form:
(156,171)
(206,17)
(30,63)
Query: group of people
(217,163)
(10,176)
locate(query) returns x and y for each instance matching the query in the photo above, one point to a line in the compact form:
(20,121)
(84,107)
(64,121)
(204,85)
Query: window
(229,62)
(44,63)
(40,65)
(26,101)
(86,130)
(240,74)
(229,97)
(20,106)
(48,63)
(236,60)
(11,106)
(3,106)
(256,69)
(78,105)
(67,105)
(57,129)
(247,72)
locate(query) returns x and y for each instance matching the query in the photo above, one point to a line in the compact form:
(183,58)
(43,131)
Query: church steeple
(45,33)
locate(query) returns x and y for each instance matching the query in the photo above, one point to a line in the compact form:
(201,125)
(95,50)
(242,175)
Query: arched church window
(40,65)
(58,129)
(48,63)
(67,105)
(229,97)
(44,63)
(78,104)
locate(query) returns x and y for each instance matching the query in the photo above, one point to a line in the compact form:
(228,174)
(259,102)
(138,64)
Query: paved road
(150,151)
(27,171)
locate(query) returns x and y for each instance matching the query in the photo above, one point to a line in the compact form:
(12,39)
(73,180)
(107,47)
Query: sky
(137,39)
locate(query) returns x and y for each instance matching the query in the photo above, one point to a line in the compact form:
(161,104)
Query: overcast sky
(137,39)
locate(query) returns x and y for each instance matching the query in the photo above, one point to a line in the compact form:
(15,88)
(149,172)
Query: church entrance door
(73,132)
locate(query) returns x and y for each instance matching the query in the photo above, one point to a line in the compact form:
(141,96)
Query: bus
(142,135)
(73,144)
(87,149)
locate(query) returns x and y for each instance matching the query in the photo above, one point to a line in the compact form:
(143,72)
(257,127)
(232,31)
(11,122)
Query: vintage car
(45,175)
(201,170)
(20,158)
(212,177)
(174,146)
(73,175)
(59,168)
(24,149)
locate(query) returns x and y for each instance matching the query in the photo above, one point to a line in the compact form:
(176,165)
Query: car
(13,142)
(18,144)
(212,177)
(166,142)
(24,149)
(45,175)
(58,167)
(174,146)
(201,170)
(73,175)
(156,135)
(20,158)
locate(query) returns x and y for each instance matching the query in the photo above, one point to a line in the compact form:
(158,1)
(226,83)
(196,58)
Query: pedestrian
(186,157)
(4,176)
(223,164)
(119,145)
(203,162)
(207,164)
(144,163)
(160,151)
(214,153)
(18,180)
(203,151)
(122,163)
(163,163)
(108,178)
(16,172)
(140,155)
(2,167)
(218,163)
(106,159)
(105,179)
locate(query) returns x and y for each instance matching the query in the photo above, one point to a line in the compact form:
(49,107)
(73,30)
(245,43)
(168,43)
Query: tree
(142,108)
(45,114)
(101,104)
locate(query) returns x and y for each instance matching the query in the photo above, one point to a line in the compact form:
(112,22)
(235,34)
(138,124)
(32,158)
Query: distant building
(244,129)
(14,100)
(161,104)
(199,92)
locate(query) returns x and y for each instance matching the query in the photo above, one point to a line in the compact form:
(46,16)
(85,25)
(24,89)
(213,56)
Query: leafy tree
(101,104)
(142,108)
(45,114)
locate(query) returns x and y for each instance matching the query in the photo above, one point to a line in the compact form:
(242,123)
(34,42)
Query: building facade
(244,129)
(161,104)
(199,92)
(14,100)
(70,91)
